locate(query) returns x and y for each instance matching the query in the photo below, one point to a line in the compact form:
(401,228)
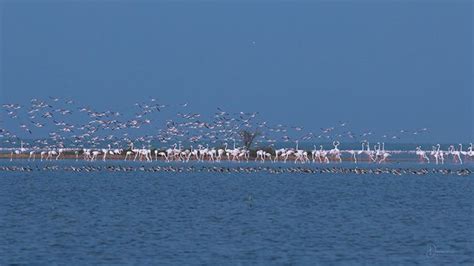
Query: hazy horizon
(381,67)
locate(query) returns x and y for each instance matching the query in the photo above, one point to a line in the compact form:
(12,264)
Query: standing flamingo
(335,152)
(422,154)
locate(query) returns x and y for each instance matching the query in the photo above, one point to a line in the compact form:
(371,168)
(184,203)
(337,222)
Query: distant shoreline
(364,159)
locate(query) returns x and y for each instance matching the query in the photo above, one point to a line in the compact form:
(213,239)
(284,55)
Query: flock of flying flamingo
(99,135)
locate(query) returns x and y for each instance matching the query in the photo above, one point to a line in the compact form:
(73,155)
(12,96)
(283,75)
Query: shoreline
(115,157)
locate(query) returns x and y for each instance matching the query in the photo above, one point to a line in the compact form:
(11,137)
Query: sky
(380,66)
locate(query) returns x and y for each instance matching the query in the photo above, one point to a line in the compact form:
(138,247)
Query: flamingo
(301,155)
(169,152)
(243,154)
(287,154)
(127,154)
(385,154)
(105,152)
(269,156)
(212,153)
(336,153)
(370,154)
(439,155)
(433,153)
(456,154)
(323,154)
(470,151)
(378,151)
(87,154)
(51,153)
(17,152)
(32,154)
(194,153)
(235,155)
(362,149)
(260,154)
(43,154)
(315,154)
(422,154)
(278,153)
(60,152)
(221,152)
(353,155)
(462,152)
(163,154)
(94,155)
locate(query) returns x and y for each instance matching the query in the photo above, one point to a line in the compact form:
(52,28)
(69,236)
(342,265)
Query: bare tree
(248,137)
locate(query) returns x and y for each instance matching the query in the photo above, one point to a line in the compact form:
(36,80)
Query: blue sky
(380,66)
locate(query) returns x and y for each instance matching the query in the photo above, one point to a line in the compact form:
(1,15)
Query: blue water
(61,217)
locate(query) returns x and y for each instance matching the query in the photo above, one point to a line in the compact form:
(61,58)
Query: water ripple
(198,218)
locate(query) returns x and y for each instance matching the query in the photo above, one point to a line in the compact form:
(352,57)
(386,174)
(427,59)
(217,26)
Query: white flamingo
(260,155)
(422,154)
(456,154)
(370,154)
(439,155)
(335,152)
(32,155)
(323,154)
(470,151)
(17,152)
(315,154)
(60,152)
(105,152)
(287,154)
(128,154)
(51,153)
(462,152)
(94,155)
(43,154)
(278,153)
(385,154)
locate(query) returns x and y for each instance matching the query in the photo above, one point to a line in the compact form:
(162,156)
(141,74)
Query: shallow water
(252,218)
